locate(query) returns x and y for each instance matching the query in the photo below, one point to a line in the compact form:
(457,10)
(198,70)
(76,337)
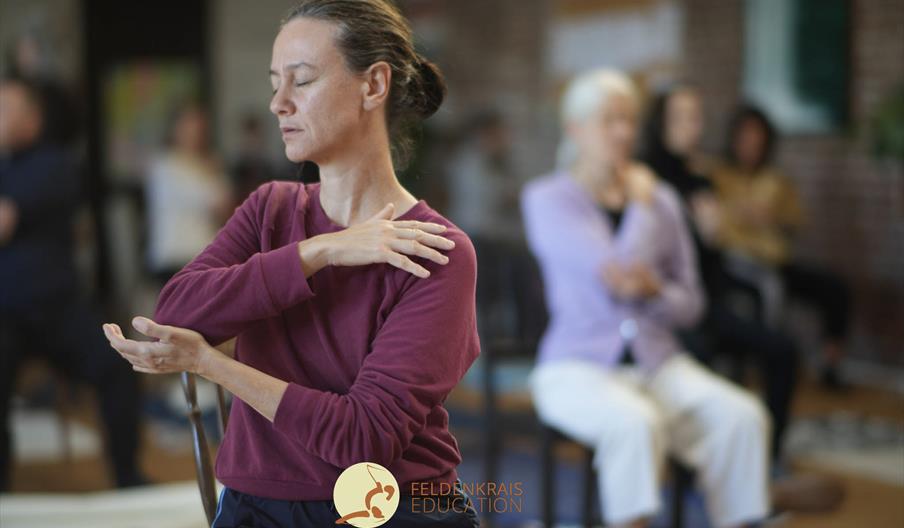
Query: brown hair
(374,30)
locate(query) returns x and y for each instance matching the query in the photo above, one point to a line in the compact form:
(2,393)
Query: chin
(296,154)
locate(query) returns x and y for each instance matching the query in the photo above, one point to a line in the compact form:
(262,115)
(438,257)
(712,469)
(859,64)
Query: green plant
(887,126)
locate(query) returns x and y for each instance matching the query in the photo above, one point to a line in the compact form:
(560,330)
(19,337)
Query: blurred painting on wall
(642,38)
(139,98)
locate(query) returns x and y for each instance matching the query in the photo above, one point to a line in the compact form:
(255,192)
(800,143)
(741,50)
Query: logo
(366,495)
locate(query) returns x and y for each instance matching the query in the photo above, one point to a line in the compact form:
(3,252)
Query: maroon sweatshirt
(370,352)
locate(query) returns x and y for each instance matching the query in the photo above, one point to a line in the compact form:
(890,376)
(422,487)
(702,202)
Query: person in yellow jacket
(760,213)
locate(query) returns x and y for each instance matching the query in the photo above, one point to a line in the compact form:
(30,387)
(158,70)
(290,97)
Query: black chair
(508,279)
(550,437)
(511,275)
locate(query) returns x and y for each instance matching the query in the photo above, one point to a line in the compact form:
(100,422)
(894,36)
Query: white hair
(586,94)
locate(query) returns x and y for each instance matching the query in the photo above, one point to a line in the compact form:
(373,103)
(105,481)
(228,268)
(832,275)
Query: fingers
(152,329)
(415,248)
(428,227)
(402,262)
(611,272)
(115,337)
(411,233)
(134,351)
(385,213)
(115,329)
(122,345)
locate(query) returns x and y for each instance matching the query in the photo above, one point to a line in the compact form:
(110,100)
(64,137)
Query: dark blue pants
(240,510)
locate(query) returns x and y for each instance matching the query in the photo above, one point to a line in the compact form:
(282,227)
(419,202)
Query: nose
(280,104)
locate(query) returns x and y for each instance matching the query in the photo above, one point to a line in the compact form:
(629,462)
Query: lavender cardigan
(573,240)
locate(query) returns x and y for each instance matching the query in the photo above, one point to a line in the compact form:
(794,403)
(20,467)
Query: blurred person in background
(349,303)
(621,276)
(483,190)
(30,57)
(188,195)
(483,201)
(671,146)
(251,167)
(760,215)
(42,309)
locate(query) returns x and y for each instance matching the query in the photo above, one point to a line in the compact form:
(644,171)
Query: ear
(377,81)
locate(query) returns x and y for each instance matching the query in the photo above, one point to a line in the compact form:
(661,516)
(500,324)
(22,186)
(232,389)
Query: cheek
(328,112)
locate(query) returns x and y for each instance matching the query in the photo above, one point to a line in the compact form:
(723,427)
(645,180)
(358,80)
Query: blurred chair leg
(588,478)
(547,476)
(492,440)
(681,483)
(64,417)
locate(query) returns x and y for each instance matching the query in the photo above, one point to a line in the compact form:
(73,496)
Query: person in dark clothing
(29,58)
(42,310)
(251,169)
(671,140)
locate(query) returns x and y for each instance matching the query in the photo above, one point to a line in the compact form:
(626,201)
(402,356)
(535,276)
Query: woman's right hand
(377,240)
(630,282)
(640,181)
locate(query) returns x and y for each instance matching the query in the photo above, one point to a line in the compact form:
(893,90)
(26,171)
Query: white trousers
(633,419)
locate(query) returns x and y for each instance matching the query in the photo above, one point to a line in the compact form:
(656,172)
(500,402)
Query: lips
(287,130)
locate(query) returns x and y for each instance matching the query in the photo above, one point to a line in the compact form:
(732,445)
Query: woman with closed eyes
(343,311)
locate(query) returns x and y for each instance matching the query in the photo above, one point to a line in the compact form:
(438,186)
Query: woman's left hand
(630,282)
(175,350)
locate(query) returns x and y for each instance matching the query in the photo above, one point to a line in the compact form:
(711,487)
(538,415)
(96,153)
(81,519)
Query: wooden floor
(869,503)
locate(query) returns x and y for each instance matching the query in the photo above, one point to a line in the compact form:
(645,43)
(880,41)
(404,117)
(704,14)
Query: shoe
(806,494)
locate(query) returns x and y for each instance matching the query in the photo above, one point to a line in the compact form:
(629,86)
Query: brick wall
(856,214)
(493,59)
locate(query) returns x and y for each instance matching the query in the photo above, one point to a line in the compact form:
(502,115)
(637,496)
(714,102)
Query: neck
(357,183)
(598,178)
(188,151)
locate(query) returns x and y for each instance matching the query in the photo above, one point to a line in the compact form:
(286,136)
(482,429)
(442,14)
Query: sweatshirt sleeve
(680,302)
(232,282)
(426,344)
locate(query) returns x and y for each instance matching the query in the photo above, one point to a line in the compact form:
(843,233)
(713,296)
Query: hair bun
(432,88)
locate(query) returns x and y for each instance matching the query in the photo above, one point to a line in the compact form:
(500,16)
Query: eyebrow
(294,66)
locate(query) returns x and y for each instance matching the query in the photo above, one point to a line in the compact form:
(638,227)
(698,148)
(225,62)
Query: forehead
(306,42)
(684,99)
(16,94)
(752,124)
(618,102)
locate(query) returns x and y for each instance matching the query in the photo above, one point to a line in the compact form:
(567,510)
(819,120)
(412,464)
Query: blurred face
(683,125)
(496,140)
(191,130)
(750,143)
(28,55)
(20,120)
(607,137)
(316,98)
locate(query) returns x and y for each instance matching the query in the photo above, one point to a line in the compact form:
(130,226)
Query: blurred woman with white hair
(620,276)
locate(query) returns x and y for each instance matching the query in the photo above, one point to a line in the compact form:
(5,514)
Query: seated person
(760,214)
(671,146)
(620,274)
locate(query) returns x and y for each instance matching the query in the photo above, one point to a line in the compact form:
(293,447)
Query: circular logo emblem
(366,495)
